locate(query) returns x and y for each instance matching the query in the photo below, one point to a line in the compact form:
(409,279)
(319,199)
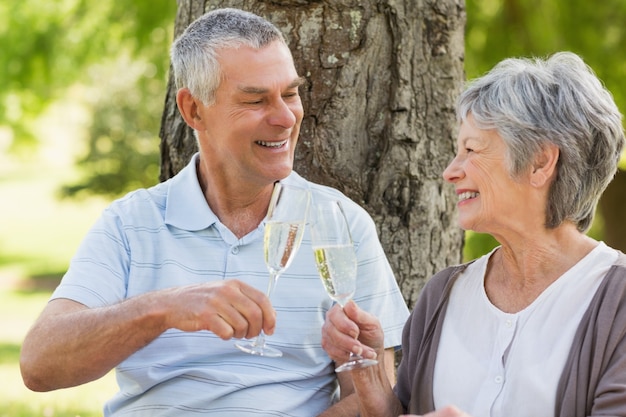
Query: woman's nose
(453,171)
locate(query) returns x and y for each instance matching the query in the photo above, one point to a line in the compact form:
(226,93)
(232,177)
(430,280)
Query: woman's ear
(188,106)
(544,167)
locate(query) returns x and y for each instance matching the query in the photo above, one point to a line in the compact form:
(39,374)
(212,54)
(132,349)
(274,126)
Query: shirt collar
(187,208)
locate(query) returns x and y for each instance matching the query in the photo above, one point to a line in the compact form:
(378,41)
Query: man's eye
(292,94)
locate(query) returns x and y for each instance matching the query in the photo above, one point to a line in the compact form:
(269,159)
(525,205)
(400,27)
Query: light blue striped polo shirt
(168,236)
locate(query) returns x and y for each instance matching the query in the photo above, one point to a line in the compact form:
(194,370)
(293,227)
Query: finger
(344,324)
(222,314)
(361,317)
(223,309)
(222,328)
(239,307)
(337,352)
(258,310)
(337,341)
(370,330)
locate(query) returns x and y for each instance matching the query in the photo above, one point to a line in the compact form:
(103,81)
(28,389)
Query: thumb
(361,317)
(370,330)
(351,310)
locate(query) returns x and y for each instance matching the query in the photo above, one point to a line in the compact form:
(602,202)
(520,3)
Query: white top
(168,236)
(496,364)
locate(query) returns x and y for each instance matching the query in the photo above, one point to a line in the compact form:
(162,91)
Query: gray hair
(194,52)
(559,100)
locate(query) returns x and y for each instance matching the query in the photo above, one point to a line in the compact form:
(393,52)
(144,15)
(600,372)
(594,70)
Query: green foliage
(9,353)
(477,244)
(50,46)
(122,146)
(497,29)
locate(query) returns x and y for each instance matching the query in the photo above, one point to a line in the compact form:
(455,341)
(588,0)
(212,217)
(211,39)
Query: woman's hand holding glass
(335,258)
(350,329)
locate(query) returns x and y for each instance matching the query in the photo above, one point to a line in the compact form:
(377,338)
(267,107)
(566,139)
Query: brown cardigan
(593,381)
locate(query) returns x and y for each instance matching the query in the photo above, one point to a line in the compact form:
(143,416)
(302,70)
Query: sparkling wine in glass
(284,228)
(336,262)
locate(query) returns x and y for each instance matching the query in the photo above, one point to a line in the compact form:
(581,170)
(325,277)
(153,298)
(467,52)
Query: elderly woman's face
(489,199)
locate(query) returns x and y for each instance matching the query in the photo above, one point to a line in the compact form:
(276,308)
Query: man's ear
(544,167)
(188,106)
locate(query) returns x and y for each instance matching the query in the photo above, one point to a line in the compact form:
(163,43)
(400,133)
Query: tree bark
(379,124)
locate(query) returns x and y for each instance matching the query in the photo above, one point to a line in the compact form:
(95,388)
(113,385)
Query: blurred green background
(81,94)
(83,84)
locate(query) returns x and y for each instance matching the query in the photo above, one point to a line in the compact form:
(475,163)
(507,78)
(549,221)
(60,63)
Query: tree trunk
(379,124)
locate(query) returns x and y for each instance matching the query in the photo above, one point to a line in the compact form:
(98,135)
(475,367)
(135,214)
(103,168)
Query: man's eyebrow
(297,82)
(259,90)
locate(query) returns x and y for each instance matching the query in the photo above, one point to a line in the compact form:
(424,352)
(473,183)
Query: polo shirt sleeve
(98,272)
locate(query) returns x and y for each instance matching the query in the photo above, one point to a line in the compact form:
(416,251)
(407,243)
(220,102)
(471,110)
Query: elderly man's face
(251,130)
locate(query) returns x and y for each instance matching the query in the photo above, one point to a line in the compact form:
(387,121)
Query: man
(169,275)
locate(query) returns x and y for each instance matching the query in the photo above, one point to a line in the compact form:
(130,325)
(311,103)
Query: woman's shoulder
(621,259)
(446,277)
(436,290)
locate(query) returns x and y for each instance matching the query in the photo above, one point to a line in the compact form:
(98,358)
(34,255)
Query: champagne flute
(284,228)
(336,262)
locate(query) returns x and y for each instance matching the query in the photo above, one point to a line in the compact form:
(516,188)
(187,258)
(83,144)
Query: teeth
(272,144)
(467,195)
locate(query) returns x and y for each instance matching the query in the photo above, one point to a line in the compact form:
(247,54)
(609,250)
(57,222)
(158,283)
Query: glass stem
(260,339)
(272,283)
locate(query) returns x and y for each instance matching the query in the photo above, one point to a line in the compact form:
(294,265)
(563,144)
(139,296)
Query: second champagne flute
(284,228)
(336,261)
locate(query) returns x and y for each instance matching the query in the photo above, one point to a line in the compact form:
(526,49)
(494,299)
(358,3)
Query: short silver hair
(194,52)
(559,100)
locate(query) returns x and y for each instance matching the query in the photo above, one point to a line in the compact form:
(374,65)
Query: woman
(536,327)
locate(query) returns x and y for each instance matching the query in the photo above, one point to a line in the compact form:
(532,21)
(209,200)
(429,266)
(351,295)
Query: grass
(18,309)
(38,235)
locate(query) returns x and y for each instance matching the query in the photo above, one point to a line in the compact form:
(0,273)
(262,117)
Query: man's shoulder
(139,205)
(140,196)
